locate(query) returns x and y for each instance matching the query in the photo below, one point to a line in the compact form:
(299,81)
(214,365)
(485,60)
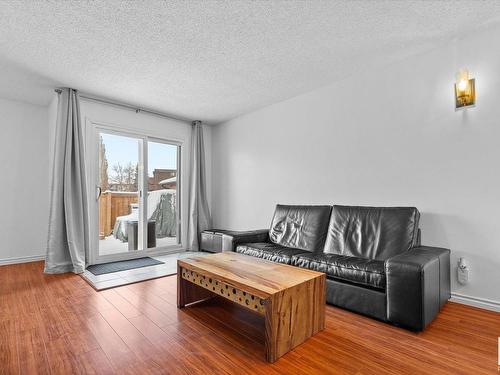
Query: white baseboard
(482,303)
(17,260)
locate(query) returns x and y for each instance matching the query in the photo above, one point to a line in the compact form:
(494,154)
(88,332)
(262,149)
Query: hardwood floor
(58,324)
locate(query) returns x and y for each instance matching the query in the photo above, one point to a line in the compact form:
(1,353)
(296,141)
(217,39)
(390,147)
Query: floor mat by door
(101,269)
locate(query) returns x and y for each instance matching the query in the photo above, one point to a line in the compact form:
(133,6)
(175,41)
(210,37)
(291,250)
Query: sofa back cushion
(372,232)
(300,227)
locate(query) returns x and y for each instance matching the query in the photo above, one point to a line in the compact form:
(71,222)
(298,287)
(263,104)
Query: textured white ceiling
(214,60)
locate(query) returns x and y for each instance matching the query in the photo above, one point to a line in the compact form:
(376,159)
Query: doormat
(123,265)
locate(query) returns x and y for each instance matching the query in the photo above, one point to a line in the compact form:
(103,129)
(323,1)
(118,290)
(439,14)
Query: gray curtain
(198,214)
(68,237)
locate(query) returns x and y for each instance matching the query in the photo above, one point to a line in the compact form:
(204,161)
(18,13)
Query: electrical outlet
(463,272)
(463,276)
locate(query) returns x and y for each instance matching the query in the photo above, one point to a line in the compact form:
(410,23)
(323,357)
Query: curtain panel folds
(68,232)
(198,211)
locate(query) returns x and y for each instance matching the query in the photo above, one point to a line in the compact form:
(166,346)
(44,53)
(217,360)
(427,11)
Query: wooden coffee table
(291,299)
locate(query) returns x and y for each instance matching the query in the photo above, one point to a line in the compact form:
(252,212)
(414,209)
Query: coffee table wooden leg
(271,334)
(294,315)
(187,292)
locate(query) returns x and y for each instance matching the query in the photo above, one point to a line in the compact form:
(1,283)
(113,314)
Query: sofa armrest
(418,285)
(230,239)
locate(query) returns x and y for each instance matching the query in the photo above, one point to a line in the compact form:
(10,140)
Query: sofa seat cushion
(361,271)
(269,251)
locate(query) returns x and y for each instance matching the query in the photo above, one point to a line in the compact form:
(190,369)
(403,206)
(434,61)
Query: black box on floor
(132,229)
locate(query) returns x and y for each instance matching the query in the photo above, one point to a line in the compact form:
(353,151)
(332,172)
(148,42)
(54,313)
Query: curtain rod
(128,106)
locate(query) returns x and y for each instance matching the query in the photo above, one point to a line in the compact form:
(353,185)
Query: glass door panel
(162,199)
(119,203)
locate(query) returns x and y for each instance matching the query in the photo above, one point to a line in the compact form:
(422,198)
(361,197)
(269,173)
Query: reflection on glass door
(162,201)
(120,219)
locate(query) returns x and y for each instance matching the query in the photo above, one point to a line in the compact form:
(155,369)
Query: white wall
(155,126)
(24,182)
(388,137)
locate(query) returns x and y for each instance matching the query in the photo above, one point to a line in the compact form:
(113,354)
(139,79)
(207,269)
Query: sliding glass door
(137,201)
(163,193)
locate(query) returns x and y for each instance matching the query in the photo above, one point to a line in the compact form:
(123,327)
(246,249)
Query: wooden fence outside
(111,205)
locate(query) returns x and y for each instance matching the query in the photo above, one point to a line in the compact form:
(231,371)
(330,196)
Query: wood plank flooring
(57,324)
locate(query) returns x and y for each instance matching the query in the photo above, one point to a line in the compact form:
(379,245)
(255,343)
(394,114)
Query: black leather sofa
(372,258)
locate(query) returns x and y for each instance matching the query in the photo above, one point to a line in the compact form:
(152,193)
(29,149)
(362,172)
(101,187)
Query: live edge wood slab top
(291,299)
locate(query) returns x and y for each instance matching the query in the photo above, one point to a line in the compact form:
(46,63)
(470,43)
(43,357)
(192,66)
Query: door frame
(93,129)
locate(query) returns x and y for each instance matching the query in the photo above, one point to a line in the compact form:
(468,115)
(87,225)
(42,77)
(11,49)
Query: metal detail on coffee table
(227,291)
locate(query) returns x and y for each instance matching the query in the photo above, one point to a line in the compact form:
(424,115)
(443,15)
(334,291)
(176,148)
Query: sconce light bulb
(462,85)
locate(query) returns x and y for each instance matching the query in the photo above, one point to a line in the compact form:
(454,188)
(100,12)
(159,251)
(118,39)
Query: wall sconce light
(465,91)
